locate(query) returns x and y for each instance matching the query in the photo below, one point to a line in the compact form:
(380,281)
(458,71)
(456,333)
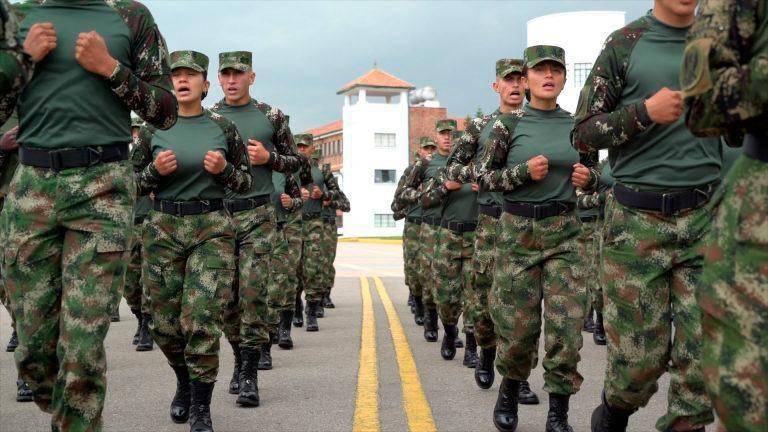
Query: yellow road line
(417,409)
(367,402)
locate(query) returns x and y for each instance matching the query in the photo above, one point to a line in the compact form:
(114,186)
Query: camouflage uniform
(67,293)
(652,254)
(724,87)
(16,66)
(330,232)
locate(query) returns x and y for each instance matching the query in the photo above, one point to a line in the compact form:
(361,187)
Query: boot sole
(144,348)
(264,367)
(10,349)
(297,325)
(528,401)
(24,399)
(180,421)
(285,346)
(247,402)
(313,329)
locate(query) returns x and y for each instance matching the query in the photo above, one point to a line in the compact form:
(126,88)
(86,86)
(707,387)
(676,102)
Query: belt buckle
(538,212)
(54,158)
(98,155)
(563,207)
(206,206)
(667,204)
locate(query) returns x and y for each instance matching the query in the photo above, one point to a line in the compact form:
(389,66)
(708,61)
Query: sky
(305,51)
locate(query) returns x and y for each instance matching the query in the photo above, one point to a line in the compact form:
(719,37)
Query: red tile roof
(326,129)
(377,78)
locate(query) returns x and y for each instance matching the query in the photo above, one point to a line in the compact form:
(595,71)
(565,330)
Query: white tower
(375,118)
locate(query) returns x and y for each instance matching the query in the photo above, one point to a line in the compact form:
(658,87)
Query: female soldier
(189,237)
(528,156)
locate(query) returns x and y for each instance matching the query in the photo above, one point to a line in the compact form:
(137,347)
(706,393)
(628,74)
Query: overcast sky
(305,51)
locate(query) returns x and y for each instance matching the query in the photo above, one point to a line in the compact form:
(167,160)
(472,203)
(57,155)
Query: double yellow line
(417,410)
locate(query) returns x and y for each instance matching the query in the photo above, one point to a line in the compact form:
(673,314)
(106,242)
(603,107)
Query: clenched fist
(214,162)
(286,201)
(165,162)
(317,193)
(304,195)
(257,153)
(41,40)
(452,185)
(92,54)
(580,176)
(8,141)
(665,107)
(538,167)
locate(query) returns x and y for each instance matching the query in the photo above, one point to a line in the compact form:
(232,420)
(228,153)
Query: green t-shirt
(252,124)
(461,205)
(190,139)
(438,161)
(315,205)
(142,207)
(544,133)
(663,157)
(729,155)
(484,196)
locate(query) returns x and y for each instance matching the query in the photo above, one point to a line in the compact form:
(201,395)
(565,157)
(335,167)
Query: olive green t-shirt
(438,161)
(663,157)
(315,205)
(546,133)
(461,205)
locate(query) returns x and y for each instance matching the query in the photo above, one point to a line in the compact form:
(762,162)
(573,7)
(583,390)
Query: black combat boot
(298,314)
(608,419)
(327,302)
(411,303)
(598,335)
(13,342)
(430,325)
(312,316)
(115,315)
(137,314)
(23,392)
(526,395)
(249,379)
(273,338)
(484,372)
(505,411)
(418,311)
(284,340)
(448,349)
(145,339)
(181,400)
(589,323)
(200,412)
(265,359)
(470,352)
(557,418)
(319,310)
(234,383)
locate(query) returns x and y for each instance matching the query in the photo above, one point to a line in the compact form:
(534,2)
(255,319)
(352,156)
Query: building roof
(377,78)
(326,129)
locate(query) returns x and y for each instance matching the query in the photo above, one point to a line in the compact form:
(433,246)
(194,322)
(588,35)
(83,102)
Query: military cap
(505,67)
(426,141)
(303,139)
(541,53)
(446,124)
(189,59)
(238,60)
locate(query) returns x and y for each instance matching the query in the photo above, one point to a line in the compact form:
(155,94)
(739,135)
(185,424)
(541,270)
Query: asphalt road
(314,387)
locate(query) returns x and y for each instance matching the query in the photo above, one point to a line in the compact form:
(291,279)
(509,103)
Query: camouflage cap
(189,59)
(426,141)
(303,139)
(444,125)
(541,53)
(505,67)
(238,60)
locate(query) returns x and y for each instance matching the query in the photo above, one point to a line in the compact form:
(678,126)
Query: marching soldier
(15,65)
(331,236)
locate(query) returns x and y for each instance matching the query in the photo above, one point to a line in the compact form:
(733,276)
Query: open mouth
(231,89)
(548,86)
(515,93)
(183,91)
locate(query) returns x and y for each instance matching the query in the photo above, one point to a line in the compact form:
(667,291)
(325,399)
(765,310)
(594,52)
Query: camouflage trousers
(311,266)
(652,265)
(411,257)
(590,249)
(455,276)
(245,316)
(5,296)
(733,297)
(538,264)
(483,262)
(189,265)
(67,238)
(428,239)
(134,292)
(329,245)
(284,268)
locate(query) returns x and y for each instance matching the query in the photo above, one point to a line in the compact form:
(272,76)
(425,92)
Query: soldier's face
(545,80)
(444,141)
(426,151)
(235,83)
(306,150)
(681,8)
(510,90)
(189,85)
(135,131)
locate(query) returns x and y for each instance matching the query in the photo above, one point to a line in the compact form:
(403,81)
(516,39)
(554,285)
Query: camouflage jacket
(16,66)
(293,190)
(338,200)
(435,192)
(399,210)
(460,167)
(724,77)
(414,185)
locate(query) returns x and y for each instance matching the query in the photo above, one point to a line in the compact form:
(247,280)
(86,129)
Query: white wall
(581,34)
(361,159)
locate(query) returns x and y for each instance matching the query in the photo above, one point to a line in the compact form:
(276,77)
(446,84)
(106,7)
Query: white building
(582,35)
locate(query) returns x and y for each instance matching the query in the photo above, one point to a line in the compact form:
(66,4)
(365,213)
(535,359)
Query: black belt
(238,205)
(413,219)
(491,210)
(588,219)
(666,203)
(187,208)
(459,227)
(431,220)
(310,216)
(58,160)
(538,211)
(756,147)
(138,220)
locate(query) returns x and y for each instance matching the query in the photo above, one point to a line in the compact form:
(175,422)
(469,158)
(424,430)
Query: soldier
(71,246)
(655,221)
(271,148)
(331,236)
(134,292)
(724,86)
(529,158)
(15,65)
(189,238)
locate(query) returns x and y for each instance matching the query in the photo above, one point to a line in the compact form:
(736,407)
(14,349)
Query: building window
(384,176)
(384,140)
(383,220)
(580,73)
